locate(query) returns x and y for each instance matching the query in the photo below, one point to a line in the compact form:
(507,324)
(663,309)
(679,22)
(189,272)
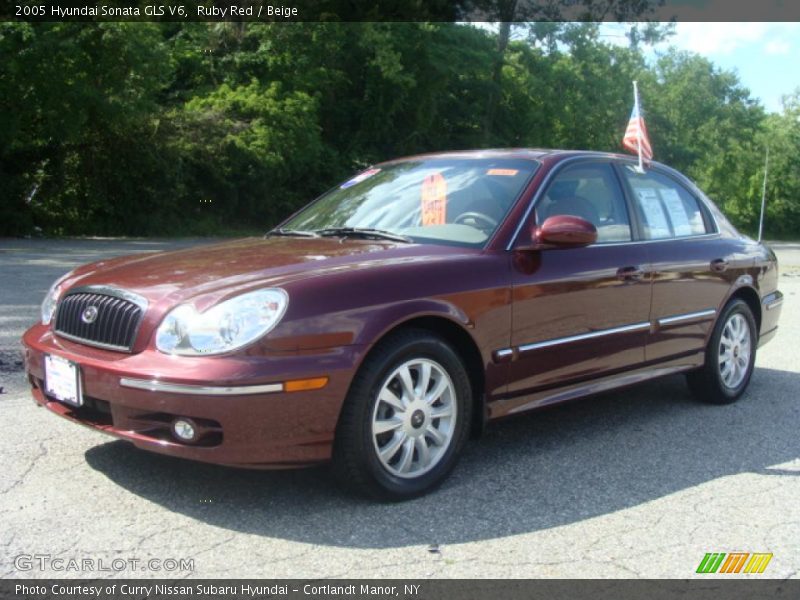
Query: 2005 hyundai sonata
(390,319)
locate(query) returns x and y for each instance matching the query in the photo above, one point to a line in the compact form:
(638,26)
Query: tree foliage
(137,128)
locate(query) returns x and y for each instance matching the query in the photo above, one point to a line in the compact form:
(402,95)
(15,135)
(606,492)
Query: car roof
(523,153)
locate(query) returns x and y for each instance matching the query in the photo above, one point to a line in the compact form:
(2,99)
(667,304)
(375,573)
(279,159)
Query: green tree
(112,128)
(79,106)
(781,133)
(249,153)
(705,123)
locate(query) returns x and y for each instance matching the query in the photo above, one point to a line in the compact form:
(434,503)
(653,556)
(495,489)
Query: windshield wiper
(291,233)
(364,232)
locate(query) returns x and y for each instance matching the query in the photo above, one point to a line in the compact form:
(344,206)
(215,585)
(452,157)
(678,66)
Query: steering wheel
(478,218)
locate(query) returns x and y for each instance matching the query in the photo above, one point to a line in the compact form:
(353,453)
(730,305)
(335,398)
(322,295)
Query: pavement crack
(219,544)
(19,480)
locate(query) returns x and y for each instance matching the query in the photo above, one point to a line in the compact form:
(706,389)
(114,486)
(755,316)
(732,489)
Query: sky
(766,56)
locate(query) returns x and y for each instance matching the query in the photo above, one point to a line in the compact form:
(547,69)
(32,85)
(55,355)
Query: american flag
(636,133)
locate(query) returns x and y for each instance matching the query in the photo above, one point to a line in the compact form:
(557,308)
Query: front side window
(666,209)
(592,192)
(455,201)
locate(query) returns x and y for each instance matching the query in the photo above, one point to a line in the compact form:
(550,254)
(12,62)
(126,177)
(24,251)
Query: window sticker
(434,200)
(359,178)
(677,212)
(653,213)
(503,172)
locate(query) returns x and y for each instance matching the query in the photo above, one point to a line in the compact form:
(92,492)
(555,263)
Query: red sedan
(395,315)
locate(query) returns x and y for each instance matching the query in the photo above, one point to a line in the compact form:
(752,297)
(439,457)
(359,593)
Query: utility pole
(763,197)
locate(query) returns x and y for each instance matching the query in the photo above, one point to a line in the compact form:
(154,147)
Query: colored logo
(734,562)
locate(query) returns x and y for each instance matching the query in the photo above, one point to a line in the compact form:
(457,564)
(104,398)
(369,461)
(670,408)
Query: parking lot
(636,483)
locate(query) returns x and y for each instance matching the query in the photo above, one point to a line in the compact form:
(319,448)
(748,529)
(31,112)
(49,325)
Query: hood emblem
(89,315)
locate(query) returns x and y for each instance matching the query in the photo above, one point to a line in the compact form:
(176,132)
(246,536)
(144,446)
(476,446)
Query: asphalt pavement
(635,483)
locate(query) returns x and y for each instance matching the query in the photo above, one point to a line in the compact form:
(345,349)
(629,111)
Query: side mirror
(562,231)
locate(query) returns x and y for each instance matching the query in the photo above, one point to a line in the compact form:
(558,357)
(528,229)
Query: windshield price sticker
(503,172)
(434,200)
(359,178)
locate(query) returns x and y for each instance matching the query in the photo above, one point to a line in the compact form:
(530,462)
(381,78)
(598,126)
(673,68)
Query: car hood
(219,270)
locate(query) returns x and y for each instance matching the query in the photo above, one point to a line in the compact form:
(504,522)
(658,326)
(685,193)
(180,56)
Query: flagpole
(763,196)
(639,124)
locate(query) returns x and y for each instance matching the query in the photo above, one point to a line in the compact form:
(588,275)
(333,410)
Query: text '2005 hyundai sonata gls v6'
(392,317)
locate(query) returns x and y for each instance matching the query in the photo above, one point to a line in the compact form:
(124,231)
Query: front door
(580,313)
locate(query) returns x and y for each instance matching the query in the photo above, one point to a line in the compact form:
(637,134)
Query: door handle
(719,265)
(632,273)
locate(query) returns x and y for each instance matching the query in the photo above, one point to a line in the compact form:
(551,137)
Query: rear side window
(592,192)
(666,209)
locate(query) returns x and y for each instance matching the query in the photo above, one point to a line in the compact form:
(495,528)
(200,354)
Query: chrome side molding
(693,316)
(506,354)
(584,336)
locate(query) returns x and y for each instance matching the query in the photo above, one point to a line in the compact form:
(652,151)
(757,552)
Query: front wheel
(405,419)
(730,357)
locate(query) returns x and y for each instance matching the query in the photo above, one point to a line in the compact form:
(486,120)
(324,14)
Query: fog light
(184,429)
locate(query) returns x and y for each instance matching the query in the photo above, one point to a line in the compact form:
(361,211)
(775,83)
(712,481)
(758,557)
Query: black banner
(396,10)
(710,588)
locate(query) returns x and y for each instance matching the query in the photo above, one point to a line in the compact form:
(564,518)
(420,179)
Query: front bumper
(246,417)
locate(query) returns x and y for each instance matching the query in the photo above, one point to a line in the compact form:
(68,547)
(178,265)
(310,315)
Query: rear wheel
(406,418)
(730,357)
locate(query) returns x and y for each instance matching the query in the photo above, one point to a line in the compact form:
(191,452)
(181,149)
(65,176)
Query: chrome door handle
(719,265)
(632,273)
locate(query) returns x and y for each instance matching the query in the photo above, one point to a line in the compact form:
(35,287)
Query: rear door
(690,265)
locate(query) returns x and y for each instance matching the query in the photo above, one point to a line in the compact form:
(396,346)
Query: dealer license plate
(62,380)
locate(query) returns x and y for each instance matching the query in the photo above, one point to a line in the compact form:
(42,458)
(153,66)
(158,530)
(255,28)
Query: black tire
(356,461)
(708,383)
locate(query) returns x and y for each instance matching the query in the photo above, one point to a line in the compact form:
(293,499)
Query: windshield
(459,201)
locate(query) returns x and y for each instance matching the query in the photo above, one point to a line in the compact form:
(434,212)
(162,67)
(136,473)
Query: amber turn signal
(303,385)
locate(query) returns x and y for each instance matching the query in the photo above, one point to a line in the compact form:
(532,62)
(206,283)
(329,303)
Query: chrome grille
(117,316)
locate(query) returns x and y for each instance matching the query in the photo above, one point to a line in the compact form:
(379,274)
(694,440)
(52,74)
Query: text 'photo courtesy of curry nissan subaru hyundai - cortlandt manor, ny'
(387,322)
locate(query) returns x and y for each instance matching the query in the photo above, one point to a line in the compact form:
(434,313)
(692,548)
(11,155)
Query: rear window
(666,209)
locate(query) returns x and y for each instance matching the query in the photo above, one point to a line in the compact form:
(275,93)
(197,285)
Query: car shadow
(537,471)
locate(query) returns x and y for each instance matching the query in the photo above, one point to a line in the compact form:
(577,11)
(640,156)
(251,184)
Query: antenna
(763,197)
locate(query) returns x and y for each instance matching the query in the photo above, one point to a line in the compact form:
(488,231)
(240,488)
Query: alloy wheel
(734,351)
(414,418)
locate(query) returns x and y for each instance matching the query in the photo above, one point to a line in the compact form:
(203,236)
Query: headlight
(224,327)
(51,299)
